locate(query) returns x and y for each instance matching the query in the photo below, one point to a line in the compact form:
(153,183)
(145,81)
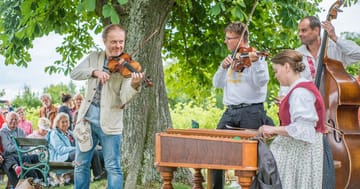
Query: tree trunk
(148,113)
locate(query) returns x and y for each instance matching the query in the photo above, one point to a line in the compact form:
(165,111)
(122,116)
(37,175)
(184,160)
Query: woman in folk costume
(298,147)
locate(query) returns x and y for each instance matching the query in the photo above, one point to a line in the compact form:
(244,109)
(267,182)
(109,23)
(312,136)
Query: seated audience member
(23,123)
(2,118)
(43,132)
(62,144)
(11,161)
(4,109)
(66,100)
(43,129)
(78,98)
(61,141)
(48,110)
(1,162)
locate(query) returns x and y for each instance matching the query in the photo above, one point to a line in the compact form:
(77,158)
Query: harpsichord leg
(245,178)
(167,174)
(198,179)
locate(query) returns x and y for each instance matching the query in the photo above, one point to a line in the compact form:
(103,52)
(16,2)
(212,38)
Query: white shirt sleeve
(303,115)
(346,51)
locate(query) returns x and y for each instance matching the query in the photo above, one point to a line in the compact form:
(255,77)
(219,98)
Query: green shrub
(207,115)
(272,111)
(32,114)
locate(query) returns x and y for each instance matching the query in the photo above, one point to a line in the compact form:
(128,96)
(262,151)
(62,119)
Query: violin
(242,59)
(125,65)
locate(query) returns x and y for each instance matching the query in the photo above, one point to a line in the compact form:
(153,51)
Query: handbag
(82,134)
(25,184)
(267,176)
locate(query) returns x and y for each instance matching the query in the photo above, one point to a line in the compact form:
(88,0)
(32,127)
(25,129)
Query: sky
(13,79)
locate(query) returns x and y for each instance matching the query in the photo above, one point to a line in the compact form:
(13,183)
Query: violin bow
(243,32)
(145,41)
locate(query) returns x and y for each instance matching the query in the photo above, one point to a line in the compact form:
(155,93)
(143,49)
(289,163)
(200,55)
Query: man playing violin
(100,116)
(244,89)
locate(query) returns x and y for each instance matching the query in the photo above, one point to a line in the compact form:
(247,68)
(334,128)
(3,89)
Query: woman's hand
(278,100)
(267,131)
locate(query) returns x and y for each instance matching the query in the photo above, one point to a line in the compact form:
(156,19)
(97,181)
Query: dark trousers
(218,179)
(249,117)
(71,156)
(329,169)
(12,159)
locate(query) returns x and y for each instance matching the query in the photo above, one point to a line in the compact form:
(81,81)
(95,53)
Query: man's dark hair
(314,22)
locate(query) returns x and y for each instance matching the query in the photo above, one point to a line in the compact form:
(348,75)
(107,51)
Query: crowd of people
(78,131)
(88,130)
(55,125)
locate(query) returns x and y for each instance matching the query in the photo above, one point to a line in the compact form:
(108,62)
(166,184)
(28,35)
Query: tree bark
(148,113)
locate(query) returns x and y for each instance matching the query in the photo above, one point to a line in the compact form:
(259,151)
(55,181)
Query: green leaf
(90,5)
(215,10)
(122,2)
(242,4)
(115,18)
(236,11)
(20,33)
(106,10)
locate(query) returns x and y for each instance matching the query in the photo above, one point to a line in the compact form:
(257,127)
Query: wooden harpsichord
(206,149)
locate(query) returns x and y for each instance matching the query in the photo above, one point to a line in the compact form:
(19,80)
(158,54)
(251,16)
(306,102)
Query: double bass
(341,94)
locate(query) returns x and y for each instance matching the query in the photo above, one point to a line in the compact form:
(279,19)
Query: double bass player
(309,29)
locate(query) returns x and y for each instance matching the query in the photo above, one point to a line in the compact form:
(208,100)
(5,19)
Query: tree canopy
(197,48)
(190,36)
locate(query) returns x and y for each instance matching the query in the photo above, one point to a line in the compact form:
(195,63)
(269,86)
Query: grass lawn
(102,185)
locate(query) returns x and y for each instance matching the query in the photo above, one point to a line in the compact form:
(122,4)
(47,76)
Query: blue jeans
(111,145)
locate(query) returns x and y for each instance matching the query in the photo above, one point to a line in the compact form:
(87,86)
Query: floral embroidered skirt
(300,163)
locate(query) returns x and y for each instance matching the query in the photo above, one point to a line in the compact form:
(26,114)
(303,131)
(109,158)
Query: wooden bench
(41,148)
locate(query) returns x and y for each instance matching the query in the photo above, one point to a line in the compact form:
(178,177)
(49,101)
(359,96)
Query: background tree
(57,90)
(26,98)
(189,31)
(2,92)
(352,69)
